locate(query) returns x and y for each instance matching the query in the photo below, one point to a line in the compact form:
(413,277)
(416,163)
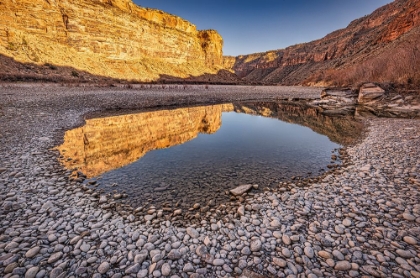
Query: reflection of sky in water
(246,148)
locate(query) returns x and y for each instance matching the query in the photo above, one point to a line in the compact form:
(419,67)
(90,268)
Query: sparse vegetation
(402,67)
(74,73)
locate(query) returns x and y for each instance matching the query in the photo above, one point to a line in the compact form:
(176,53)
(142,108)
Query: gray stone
(339,229)
(325,254)
(405,254)
(31,272)
(201,250)
(410,240)
(309,252)
(241,189)
(103,267)
(133,269)
(55,257)
(192,232)
(347,222)
(255,245)
(286,239)
(337,254)
(279,262)
(342,266)
(142,273)
(286,252)
(32,252)
(218,262)
(56,272)
(246,251)
(241,210)
(85,247)
(409,216)
(166,269)
(141,257)
(188,268)
(174,255)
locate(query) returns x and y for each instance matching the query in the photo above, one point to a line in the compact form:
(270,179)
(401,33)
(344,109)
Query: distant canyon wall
(113,38)
(389,30)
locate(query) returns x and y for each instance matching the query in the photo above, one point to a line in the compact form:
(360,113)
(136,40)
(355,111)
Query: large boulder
(370,93)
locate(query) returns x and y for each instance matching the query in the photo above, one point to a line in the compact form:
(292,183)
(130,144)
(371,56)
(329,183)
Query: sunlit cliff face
(113,38)
(104,144)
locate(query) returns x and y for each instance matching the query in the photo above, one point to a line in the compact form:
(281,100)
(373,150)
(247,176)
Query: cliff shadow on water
(191,156)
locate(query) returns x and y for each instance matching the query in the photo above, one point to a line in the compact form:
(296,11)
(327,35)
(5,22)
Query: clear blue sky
(261,25)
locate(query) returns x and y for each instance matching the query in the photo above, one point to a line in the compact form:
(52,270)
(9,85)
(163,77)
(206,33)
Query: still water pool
(183,156)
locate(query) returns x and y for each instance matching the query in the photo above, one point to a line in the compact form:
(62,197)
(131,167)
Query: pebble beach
(359,220)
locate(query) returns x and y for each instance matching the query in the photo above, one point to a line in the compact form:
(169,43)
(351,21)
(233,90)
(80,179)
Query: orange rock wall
(112,38)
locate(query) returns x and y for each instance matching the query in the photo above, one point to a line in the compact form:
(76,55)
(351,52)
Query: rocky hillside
(113,38)
(383,46)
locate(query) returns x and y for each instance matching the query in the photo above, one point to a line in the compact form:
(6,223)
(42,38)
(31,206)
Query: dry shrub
(399,65)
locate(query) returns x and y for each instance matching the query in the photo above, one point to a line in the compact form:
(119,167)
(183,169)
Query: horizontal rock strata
(110,38)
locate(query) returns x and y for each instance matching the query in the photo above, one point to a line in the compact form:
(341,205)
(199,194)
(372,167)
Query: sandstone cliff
(389,31)
(113,38)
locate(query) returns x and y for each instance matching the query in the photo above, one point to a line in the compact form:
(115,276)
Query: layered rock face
(381,32)
(104,144)
(113,38)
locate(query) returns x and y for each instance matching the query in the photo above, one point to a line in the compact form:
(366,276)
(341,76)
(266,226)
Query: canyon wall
(104,144)
(113,38)
(390,28)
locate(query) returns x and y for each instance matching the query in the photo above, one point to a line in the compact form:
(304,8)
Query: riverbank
(361,220)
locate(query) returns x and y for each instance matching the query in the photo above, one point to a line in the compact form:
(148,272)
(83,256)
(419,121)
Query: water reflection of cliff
(104,144)
(108,143)
(342,129)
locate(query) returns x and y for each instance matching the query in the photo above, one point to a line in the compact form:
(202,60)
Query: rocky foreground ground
(361,220)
